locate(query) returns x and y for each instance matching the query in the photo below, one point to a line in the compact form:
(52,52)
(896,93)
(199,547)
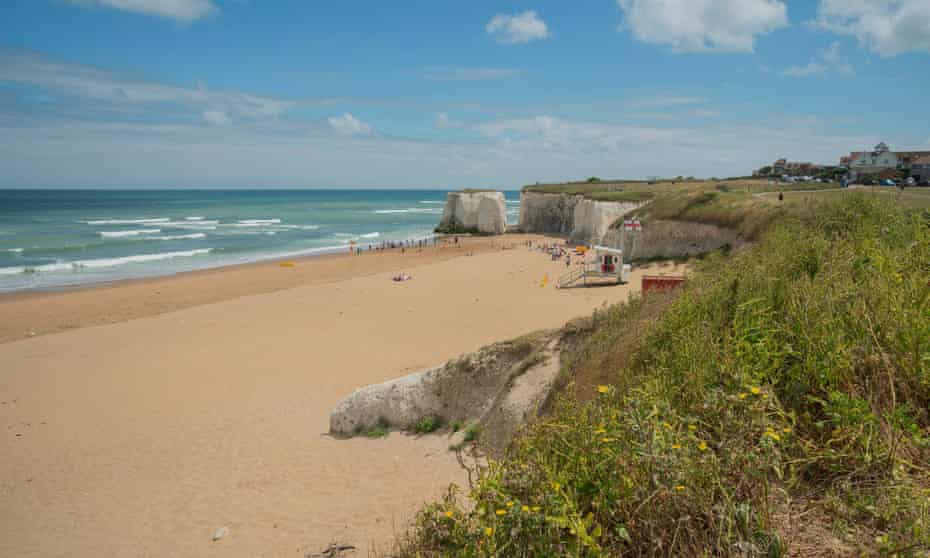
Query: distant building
(793,168)
(880,161)
(778,167)
(920,168)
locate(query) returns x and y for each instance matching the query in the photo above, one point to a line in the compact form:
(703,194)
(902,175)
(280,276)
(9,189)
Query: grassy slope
(779,405)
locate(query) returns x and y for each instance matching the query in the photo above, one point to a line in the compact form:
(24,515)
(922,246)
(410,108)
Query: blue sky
(211,93)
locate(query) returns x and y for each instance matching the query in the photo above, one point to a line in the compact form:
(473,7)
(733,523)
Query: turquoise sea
(58,238)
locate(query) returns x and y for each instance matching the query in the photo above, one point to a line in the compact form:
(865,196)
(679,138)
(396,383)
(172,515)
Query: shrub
(472,432)
(792,377)
(380,430)
(427,425)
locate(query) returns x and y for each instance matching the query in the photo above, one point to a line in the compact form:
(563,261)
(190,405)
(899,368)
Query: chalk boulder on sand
(479,212)
(501,387)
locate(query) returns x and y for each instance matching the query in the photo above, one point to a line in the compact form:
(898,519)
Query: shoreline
(202,402)
(39,312)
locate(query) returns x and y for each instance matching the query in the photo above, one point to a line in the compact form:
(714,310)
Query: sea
(52,239)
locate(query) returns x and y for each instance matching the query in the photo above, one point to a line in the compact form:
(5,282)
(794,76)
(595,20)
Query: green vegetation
(427,425)
(380,430)
(778,405)
(735,210)
(637,191)
(472,432)
(595,190)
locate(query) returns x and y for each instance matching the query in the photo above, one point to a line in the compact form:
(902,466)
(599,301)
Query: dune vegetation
(778,405)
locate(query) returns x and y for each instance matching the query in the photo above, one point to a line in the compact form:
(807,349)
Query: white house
(872,162)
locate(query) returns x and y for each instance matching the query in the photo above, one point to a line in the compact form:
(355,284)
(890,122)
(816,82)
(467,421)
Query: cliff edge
(582,220)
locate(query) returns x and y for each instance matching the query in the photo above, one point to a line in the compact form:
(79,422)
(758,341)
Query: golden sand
(203,400)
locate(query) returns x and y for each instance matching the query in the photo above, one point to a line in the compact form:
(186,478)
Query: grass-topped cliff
(747,205)
(779,405)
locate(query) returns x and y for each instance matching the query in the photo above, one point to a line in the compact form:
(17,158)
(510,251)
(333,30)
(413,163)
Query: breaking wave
(119,234)
(103,262)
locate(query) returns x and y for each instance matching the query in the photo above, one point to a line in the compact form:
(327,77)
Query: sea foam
(102,262)
(128,221)
(259,221)
(119,234)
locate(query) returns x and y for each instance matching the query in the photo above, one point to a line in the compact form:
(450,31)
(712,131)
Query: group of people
(556,251)
(395,244)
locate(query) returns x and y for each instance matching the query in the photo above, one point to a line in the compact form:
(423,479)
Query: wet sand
(206,405)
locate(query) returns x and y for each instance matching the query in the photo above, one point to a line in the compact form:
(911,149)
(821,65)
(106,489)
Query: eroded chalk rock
(500,387)
(479,212)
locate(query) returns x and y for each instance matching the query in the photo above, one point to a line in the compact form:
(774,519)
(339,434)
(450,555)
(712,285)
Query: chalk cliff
(478,212)
(580,219)
(671,239)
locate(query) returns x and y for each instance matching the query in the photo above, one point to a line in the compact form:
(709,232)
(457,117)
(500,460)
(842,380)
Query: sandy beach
(139,418)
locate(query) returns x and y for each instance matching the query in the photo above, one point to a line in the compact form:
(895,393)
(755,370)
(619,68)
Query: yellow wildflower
(773,435)
(448,514)
(510,504)
(702,446)
(755,390)
(524,508)
(603,389)
(679,487)
(743,395)
(765,396)
(489,531)
(786,430)
(501,512)
(600,431)
(606,440)
(536,508)
(556,486)
(676,446)
(667,425)
(692,428)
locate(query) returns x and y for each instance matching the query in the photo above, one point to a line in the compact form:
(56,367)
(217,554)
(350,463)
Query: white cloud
(467,74)
(887,27)
(216,117)
(93,84)
(519,28)
(828,59)
(513,152)
(812,68)
(348,125)
(182,10)
(703,25)
(443,121)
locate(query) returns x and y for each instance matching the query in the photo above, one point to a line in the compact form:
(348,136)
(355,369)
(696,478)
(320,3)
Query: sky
(443,94)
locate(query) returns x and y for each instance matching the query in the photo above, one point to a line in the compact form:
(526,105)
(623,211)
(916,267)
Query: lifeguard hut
(601,264)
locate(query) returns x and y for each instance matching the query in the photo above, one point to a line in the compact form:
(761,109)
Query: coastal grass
(472,432)
(642,190)
(779,405)
(379,430)
(427,425)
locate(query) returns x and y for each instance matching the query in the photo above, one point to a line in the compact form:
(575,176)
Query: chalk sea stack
(481,212)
